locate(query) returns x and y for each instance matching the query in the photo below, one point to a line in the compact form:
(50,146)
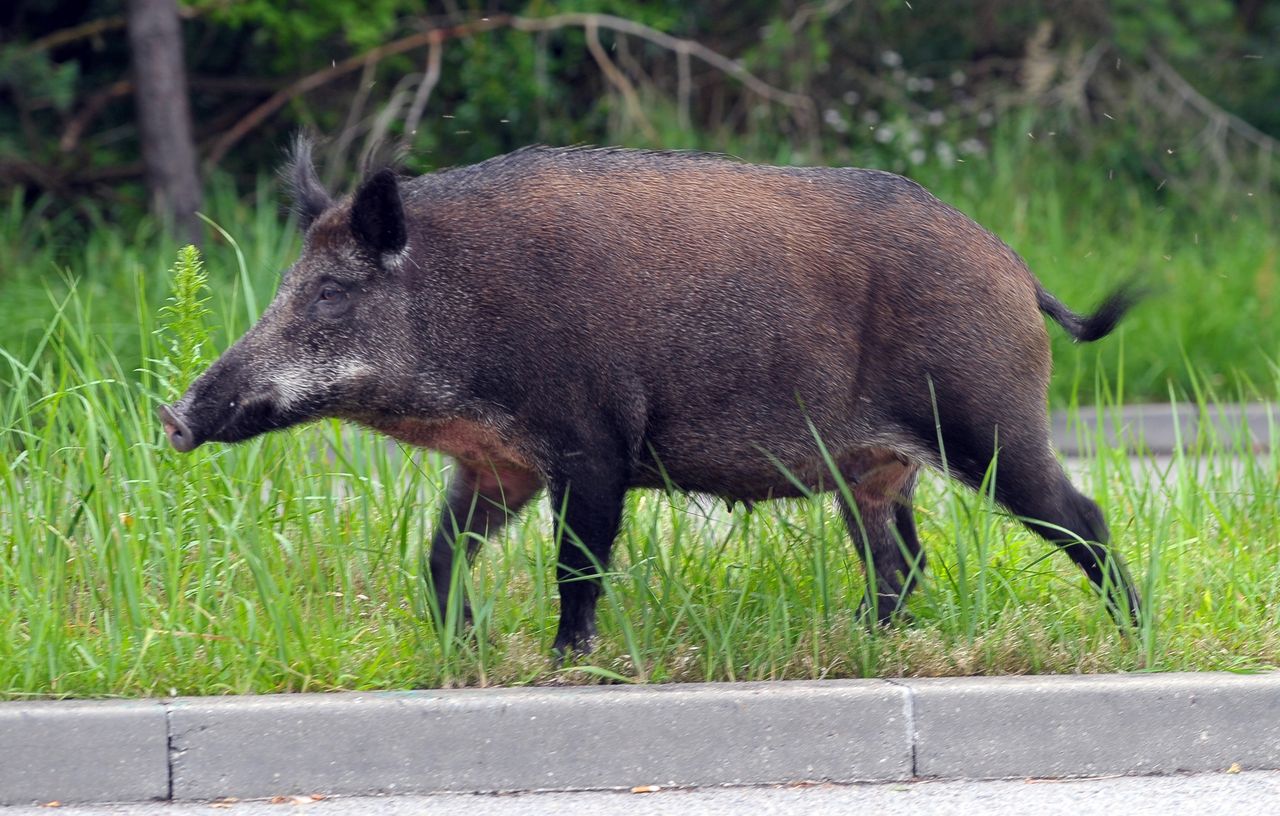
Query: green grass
(292,562)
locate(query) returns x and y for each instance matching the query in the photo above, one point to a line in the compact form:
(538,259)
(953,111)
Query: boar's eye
(332,300)
(332,293)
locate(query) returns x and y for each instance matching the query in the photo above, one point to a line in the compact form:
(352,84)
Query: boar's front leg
(587,502)
(883,529)
(481,498)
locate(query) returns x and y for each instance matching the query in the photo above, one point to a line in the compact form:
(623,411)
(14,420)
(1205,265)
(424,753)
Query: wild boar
(592,320)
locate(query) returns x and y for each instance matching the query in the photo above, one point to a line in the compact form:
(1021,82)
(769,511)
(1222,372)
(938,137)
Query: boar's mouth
(188,426)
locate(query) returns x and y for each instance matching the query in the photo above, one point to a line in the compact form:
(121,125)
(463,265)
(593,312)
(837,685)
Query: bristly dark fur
(309,196)
(535,152)
(1087,328)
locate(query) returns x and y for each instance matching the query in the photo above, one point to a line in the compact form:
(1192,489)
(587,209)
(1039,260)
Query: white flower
(833,119)
(916,156)
(884,135)
(891,58)
(851,97)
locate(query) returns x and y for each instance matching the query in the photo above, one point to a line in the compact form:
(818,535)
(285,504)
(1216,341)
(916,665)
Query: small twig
(541,82)
(1205,106)
(667,41)
(21,172)
(310,82)
(618,80)
(1071,91)
(80,122)
(93,28)
(354,114)
(373,142)
(827,9)
(98,100)
(430,78)
(78,32)
(800,103)
(684,86)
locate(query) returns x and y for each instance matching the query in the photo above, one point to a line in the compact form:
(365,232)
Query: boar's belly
(469,442)
(738,478)
(744,475)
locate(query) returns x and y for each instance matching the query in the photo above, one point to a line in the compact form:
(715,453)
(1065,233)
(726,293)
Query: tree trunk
(164,113)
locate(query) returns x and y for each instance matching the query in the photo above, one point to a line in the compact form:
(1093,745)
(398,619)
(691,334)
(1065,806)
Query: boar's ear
(377,216)
(309,196)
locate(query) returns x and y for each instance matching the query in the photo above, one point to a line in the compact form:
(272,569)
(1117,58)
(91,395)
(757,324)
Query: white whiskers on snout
(295,384)
(292,385)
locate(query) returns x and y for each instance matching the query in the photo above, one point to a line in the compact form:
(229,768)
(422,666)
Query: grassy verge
(292,562)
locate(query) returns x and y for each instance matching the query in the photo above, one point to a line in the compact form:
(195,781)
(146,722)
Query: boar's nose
(177,430)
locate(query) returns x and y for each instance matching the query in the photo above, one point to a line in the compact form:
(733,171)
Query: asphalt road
(1255,792)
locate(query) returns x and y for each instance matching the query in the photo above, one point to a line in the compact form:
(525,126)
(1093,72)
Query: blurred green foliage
(895,85)
(290,31)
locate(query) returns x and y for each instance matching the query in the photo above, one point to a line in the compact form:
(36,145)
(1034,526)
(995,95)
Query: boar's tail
(1087,328)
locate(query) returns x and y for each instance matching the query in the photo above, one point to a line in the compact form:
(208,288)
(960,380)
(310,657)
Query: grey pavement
(1161,429)
(678,735)
(1222,794)
(1162,472)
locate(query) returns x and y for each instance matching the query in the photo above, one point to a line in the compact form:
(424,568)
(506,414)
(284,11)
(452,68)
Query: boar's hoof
(890,611)
(572,646)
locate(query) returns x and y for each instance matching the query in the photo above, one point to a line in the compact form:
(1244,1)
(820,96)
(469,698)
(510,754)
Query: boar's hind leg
(1031,483)
(588,508)
(1085,542)
(480,500)
(882,526)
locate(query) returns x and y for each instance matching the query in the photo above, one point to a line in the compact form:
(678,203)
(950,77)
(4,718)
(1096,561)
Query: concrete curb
(83,751)
(618,737)
(1163,429)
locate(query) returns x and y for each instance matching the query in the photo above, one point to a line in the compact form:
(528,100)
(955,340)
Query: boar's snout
(239,397)
(177,430)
